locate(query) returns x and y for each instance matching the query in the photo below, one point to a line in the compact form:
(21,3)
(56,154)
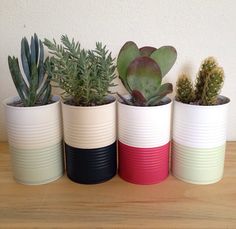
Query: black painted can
(91,166)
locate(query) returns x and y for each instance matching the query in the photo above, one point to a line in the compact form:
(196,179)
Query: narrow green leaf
(33,84)
(45,85)
(47,94)
(41,70)
(36,43)
(24,59)
(33,52)
(18,79)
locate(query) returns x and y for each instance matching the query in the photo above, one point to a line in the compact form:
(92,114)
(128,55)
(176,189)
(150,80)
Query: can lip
(225,99)
(55,98)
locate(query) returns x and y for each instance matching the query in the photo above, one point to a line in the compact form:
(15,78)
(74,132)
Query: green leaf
(18,79)
(165,57)
(127,54)
(161,93)
(47,94)
(33,52)
(36,43)
(144,75)
(24,58)
(147,50)
(43,89)
(41,69)
(33,85)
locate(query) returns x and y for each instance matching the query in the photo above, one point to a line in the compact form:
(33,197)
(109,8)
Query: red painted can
(143,165)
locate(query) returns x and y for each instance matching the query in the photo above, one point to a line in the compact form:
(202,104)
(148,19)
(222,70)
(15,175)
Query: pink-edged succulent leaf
(147,50)
(127,54)
(144,75)
(161,93)
(138,98)
(165,57)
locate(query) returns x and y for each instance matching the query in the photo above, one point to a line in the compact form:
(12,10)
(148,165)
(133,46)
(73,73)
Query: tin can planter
(35,140)
(199,139)
(144,141)
(90,142)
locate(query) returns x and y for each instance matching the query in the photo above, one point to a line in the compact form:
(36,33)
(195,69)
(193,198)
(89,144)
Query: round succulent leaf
(127,54)
(160,94)
(147,50)
(165,57)
(138,98)
(144,75)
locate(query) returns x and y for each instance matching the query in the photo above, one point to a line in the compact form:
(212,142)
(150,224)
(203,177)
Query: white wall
(197,28)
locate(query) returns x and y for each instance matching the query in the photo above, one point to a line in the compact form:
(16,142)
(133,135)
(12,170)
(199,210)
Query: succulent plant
(207,66)
(85,76)
(141,72)
(213,84)
(184,91)
(209,82)
(34,88)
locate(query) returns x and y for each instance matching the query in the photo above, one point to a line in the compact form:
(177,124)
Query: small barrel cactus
(184,89)
(208,84)
(34,88)
(141,72)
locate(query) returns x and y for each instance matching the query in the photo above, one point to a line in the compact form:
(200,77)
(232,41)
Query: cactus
(184,91)
(34,88)
(208,84)
(213,84)
(207,66)
(141,72)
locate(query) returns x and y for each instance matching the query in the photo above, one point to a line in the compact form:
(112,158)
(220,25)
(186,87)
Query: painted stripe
(91,166)
(143,165)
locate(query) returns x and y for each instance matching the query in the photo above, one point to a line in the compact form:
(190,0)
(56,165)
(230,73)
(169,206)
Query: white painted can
(199,139)
(144,127)
(35,140)
(200,126)
(89,127)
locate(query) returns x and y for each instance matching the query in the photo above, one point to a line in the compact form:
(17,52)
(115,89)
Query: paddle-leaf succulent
(142,70)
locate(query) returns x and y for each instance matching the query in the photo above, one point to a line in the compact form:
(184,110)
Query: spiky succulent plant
(85,76)
(209,82)
(213,84)
(206,67)
(34,88)
(184,89)
(141,72)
